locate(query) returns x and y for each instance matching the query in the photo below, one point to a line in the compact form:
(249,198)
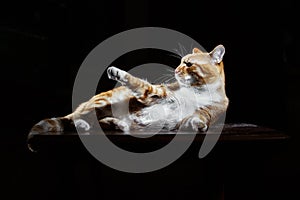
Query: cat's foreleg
(141,89)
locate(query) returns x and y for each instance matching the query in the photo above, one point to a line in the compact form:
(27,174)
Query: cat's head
(200,68)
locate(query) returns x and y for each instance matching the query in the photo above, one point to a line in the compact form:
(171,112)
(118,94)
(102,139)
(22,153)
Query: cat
(196,99)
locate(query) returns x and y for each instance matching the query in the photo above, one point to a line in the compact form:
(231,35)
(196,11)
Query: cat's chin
(183,83)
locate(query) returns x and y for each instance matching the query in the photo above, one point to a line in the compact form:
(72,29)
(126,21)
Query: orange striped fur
(199,88)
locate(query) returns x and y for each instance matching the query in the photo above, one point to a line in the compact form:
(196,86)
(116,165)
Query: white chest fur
(178,105)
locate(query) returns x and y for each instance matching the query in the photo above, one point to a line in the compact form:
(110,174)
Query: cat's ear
(196,50)
(217,54)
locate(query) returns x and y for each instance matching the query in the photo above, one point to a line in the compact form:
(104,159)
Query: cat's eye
(188,64)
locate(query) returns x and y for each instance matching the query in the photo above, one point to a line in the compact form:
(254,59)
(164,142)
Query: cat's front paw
(116,74)
(195,123)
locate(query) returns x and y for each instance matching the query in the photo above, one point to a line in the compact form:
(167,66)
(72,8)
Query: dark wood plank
(231,133)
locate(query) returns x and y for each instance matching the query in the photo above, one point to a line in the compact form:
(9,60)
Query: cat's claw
(116,74)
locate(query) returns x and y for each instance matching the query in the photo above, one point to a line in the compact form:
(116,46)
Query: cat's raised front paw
(116,74)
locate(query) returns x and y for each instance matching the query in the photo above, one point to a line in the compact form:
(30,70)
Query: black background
(43,43)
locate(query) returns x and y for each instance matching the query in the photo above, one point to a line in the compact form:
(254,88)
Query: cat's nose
(177,70)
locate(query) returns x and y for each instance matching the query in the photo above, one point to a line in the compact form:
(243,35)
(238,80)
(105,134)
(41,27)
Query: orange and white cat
(196,99)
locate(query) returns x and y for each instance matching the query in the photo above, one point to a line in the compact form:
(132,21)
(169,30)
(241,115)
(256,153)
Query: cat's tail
(54,126)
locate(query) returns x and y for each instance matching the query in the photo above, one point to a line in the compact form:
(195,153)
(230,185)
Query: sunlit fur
(196,99)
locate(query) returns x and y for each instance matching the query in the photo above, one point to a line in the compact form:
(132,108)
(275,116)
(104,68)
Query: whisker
(181,50)
(170,74)
(163,77)
(156,81)
(178,53)
(170,79)
(184,49)
(170,70)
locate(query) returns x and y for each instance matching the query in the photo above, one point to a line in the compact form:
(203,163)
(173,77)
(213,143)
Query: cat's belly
(168,113)
(159,116)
